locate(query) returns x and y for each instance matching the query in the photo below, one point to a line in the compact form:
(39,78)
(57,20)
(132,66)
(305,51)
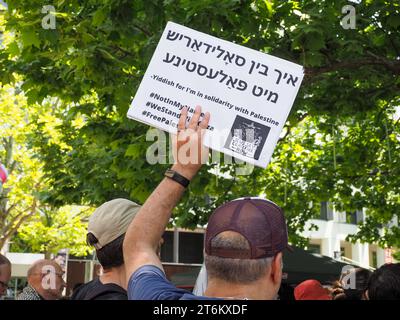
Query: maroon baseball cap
(261,222)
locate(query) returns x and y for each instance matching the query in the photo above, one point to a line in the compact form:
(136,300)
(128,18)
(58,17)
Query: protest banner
(248,93)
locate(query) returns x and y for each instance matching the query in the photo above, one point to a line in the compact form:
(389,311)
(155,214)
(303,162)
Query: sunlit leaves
(54,229)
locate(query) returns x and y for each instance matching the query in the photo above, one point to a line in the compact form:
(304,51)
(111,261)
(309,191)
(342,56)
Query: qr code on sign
(247,137)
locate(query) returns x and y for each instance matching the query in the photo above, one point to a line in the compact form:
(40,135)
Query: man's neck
(224,290)
(115,275)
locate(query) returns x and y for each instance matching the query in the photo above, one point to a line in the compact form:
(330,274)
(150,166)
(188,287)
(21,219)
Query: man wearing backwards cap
(106,232)
(243,243)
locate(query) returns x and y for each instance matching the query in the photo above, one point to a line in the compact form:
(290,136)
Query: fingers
(182,119)
(204,123)
(195,118)
(194,121)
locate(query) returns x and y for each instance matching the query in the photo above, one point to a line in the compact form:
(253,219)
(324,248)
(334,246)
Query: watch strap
(177,177)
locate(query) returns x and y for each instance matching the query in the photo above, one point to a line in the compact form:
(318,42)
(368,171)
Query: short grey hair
(239,271)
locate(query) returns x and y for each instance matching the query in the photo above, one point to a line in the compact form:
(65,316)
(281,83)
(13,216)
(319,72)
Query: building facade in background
(330,238)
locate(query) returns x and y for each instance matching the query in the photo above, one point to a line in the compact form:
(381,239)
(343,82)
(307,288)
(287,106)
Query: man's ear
(276,269)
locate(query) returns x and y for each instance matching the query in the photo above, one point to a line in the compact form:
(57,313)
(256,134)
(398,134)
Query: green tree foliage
(24,219)
(352,161)
(340,142)
(51,230)
(17,199)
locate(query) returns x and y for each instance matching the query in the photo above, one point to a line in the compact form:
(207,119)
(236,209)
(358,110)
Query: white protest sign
(248,93)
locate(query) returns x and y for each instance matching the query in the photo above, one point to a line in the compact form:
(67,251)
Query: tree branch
(146,32)
(22,218)
(289,128)
(127,53)
(10,208)
(14,229)
(15,219)
(354,64)
(12,167)
(397,121)
(4,143)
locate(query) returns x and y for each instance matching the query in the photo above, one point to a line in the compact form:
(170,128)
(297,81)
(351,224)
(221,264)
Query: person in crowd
(286,291)
(351,285)
(311,290)
(244,239)
(384,283)
(106,232)
(45,281)
(5,274)
(74,288)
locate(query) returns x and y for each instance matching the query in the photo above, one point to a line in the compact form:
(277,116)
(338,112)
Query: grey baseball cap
(111,220)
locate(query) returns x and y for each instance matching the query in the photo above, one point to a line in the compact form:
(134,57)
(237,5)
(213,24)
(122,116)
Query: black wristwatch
(177,177)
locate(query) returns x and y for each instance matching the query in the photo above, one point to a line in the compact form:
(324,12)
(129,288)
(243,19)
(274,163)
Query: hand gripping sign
(248,93)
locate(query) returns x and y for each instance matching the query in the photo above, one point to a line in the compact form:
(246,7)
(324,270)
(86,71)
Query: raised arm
(144,233)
